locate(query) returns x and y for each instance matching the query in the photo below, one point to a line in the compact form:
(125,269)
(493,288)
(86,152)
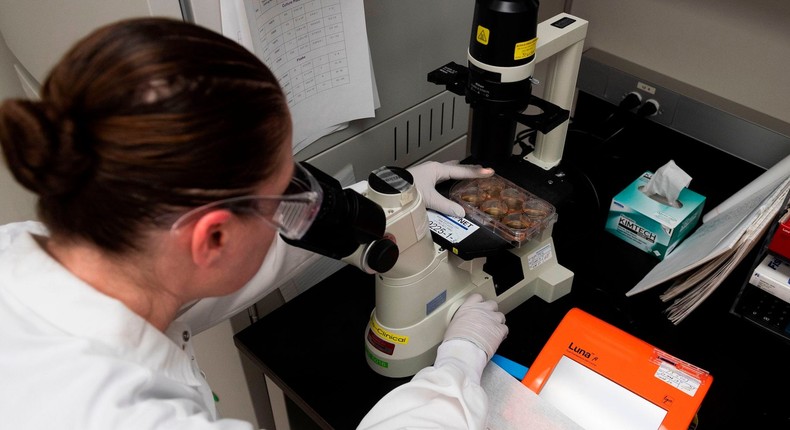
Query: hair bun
(42,148)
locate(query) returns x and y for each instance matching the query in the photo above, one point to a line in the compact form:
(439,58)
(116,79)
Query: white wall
(736,49)
(220,361)
(18,204)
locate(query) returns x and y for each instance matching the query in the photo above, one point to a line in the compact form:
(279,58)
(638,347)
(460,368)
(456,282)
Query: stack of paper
(728,233)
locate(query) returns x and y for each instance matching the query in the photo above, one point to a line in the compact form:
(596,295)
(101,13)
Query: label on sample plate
(452,229)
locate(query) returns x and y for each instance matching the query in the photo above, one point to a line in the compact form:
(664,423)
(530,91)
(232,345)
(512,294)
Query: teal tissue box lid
(670,216)
(653,226)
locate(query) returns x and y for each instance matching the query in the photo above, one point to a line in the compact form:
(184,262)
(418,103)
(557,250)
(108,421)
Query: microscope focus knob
(381,255)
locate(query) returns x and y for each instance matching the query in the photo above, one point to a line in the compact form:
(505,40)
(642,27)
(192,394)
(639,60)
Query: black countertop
(313,346)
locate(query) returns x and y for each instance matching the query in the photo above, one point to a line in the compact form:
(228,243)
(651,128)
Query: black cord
(630,101)
(612,136)
(574,170)
(601,140)
(649,108)
(526,146)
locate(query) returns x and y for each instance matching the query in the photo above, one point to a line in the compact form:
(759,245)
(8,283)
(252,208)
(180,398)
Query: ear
(210,236)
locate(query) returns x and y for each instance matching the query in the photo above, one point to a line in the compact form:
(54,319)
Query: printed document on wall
(318,49)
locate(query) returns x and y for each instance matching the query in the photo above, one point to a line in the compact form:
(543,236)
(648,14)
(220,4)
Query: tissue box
(650,225)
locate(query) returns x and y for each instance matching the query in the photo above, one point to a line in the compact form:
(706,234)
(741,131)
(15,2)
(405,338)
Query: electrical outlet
(620,85)
(735,129)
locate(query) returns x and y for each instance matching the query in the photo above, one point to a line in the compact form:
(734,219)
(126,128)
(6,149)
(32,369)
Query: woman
(160,152)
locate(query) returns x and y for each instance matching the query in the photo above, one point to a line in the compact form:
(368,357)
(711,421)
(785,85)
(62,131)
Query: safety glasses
(291,213)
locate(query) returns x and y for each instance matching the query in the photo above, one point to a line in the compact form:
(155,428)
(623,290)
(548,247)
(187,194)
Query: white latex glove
(430,173)
(478,321)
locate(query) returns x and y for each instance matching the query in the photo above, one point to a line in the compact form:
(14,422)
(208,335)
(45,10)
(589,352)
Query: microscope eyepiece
(345,221)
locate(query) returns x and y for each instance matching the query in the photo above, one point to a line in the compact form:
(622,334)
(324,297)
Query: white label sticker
(646,88)
(540,256)
(452,229)
(677,378)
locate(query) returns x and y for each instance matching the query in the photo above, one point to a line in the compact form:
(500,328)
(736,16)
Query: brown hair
(140,119)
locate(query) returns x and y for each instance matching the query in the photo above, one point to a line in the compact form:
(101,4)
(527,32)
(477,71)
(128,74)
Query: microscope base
(402,351)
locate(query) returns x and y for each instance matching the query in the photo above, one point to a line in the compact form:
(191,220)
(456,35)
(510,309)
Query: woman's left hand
(430,173)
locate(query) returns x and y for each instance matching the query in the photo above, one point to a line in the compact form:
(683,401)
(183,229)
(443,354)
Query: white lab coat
(73,358)
(445,396)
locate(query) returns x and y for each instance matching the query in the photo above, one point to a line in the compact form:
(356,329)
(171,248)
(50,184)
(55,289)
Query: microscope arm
(560,45)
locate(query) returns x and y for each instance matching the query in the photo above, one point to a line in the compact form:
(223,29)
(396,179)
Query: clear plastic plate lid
(504,208)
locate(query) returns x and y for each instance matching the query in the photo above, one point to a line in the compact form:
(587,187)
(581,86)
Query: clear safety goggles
(291,213)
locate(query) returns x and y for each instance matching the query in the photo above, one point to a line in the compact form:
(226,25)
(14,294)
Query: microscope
(382,226)
(505,45)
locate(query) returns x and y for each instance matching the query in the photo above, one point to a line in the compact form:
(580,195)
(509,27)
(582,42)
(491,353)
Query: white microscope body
(417,297)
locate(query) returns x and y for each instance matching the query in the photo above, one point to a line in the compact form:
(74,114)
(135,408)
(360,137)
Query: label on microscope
(452,229)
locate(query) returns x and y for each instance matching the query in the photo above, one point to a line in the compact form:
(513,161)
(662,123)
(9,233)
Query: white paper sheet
(513,406)
(596,402)
(318,49)
(772,177)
